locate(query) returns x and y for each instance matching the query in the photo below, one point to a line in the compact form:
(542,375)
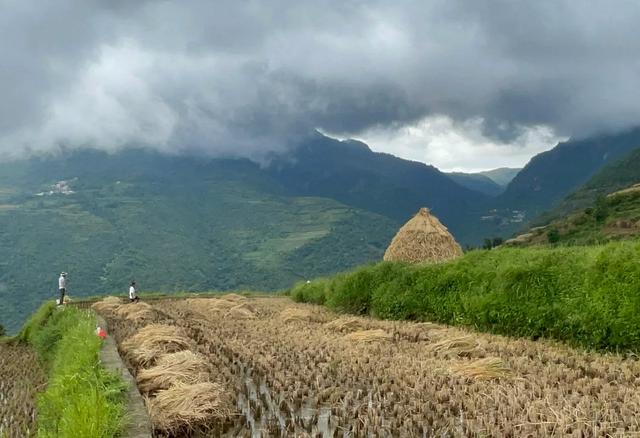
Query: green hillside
(172,224)
(489,182)
(477,182)
(614,217)
(620,174)
(601,210)
(349,172)
(501,176)
(536,194)
(550,176)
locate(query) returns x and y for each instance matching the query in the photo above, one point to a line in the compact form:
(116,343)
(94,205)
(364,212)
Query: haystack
(241,311)
(219,307)
(296,314)
(233,297)
(107,304)
(346,324)
(483,369)
(183,407)
(423,240)
(181,367)
(153,341)
(459,346)
(136,312)
(211,305)
(369,336)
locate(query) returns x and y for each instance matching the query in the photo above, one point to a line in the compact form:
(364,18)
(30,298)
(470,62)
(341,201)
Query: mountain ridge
(192,223)
(552,175)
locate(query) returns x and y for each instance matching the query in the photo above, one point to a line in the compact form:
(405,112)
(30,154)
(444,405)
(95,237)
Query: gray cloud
(246,78)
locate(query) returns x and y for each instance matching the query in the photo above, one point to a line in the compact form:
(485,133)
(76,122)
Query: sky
(462,85)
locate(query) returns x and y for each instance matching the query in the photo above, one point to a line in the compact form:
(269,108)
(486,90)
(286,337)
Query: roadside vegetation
(81,398)
(586,296)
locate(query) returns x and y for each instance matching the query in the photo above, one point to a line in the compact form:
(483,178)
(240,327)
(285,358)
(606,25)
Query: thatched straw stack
(369,336)
(181,367)
(154,340)
(295,314)
(345,324)
(483,369)
(241,311)
(234,297)
(107,305)
(183,407)
(238,308)
(423,240)
(459,346)
(136,312)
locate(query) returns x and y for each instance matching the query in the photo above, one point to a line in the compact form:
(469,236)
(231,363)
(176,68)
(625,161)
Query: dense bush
(587,296)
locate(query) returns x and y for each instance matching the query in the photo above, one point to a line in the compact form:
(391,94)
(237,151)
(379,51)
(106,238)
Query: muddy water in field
(21,378)
(265,416)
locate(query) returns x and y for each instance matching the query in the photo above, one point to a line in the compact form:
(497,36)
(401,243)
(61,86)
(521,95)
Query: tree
(602,209)
(553,235)
(490,243)
(2,331)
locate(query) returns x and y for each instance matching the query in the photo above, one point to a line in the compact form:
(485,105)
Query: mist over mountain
(233,79)
(194,223)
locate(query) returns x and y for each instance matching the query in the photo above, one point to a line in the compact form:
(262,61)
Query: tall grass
(588,296)
(35,323)
(81,398)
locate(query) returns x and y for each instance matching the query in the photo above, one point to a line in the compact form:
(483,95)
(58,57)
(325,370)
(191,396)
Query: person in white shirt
(62,287)
(133,296)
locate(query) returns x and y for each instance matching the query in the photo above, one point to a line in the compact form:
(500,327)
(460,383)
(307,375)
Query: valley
(192,223)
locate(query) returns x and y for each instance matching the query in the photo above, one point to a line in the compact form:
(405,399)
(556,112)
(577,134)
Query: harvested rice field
(21,377)
(258,367)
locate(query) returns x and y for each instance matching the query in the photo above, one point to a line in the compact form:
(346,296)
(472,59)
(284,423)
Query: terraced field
(21,377)
(271,367)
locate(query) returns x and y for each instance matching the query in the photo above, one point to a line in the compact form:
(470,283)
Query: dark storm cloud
(246,78)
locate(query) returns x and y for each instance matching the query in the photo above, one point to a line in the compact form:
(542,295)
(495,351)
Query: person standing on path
(62,287)
(133,296)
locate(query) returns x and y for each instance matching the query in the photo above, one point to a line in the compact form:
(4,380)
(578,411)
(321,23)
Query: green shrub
(352,293)
(586,296)
(313,292)
(35,323)
(553,235)
(602,209)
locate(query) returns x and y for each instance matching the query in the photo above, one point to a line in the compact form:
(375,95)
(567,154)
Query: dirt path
(138,424)
(299,370)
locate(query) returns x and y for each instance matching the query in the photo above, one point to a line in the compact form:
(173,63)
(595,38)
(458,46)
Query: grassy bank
(81,398)
(587,296)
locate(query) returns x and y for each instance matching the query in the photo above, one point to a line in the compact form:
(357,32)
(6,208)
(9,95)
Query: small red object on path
(102,334)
